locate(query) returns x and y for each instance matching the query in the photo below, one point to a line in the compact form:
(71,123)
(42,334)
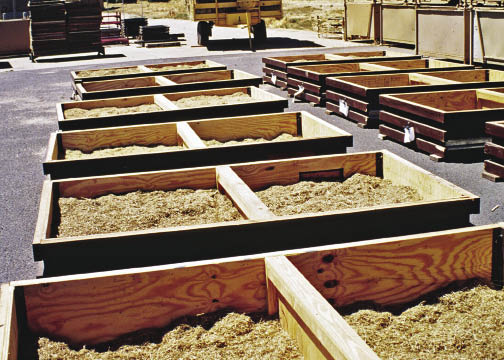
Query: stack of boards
(434,106)
(59,27)
(158,36)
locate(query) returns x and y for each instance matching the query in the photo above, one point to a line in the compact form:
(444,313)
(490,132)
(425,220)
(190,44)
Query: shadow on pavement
(78,58)
(270,43)
(5,65)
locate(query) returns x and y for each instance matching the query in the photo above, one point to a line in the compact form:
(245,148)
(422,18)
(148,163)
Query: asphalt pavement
(28,95)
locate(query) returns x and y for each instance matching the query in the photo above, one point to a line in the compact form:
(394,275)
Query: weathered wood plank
(320,321)
(494,150)
(420,128)
(495,128)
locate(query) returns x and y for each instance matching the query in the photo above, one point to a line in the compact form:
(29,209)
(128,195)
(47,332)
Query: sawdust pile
(143,210)
(466,324)
(210,100)
(108,72)
(179,67)
(281,137)
(76,154)
(77,113)
(355,192)
(234,336)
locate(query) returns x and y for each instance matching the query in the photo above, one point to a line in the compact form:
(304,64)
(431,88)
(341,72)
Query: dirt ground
(77,113)
(233,336)
(143,210)
(466,324)
(355,192)
(76,154)
(205,100)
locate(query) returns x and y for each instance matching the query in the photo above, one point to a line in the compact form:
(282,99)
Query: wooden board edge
(189,136)
(8,323)
(328,327)
(44,214)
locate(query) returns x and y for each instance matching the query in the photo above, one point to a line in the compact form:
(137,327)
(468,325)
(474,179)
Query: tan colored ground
(355,192)
(281,137)
(205,100)
(106,72)
(75,154)
(179,67)
(235,336)
(463,325)
(143,210)
(77,113)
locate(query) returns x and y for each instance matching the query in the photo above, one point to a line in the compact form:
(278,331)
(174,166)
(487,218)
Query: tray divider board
(241,195)
(8,324)
(145,69)
(189,137)
(164,103)
(320,331)
(163,81)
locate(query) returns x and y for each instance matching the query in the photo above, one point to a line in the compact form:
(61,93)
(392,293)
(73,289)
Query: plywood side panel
(312,126)
(119,102)
(283,172)
(430,187)
(200,76)
(265,126)
(99,309)
(9,335)
(119,84)
(89,140)
(199,178)
(398,271)
(398,24)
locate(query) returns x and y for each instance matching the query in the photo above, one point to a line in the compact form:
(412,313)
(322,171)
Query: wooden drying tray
(312,78)
(150,69)
(361,93)
(448,125)
(264,102)
(444,205)
(316,137)
(303,286)
(494,164)
(87,90)
(275,68)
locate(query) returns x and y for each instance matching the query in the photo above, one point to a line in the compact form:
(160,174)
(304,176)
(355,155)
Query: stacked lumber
(131,26)
(158,36)
(83,24)
(308,82)
(47,26)
(494,149)
(275,68)
(448,125)
(357,97)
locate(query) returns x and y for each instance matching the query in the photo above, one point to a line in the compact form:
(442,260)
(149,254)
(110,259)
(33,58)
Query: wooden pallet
(361,93)
(262,102)
(316,137)
(311,79)
(295,284)
(444,206)
(150,69)
(494,164)
(277,66)
(448,125)
(157,84)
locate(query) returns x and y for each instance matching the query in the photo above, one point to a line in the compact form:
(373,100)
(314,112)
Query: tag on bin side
(273,79)
(343,107)
(409,134)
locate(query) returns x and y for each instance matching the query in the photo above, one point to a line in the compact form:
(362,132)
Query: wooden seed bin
(361,93)
(444,205)
(151,69)
(316,137)
(494,164)
(448,125)
(305,287)
(308,82)
(278,65)
(263,102)
(202,80)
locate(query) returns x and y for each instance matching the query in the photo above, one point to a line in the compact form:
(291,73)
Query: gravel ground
(27,103)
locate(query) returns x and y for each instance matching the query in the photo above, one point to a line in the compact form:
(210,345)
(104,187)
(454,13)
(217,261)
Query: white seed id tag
(299,92)
(409,134)
(273,79)
(343,107)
